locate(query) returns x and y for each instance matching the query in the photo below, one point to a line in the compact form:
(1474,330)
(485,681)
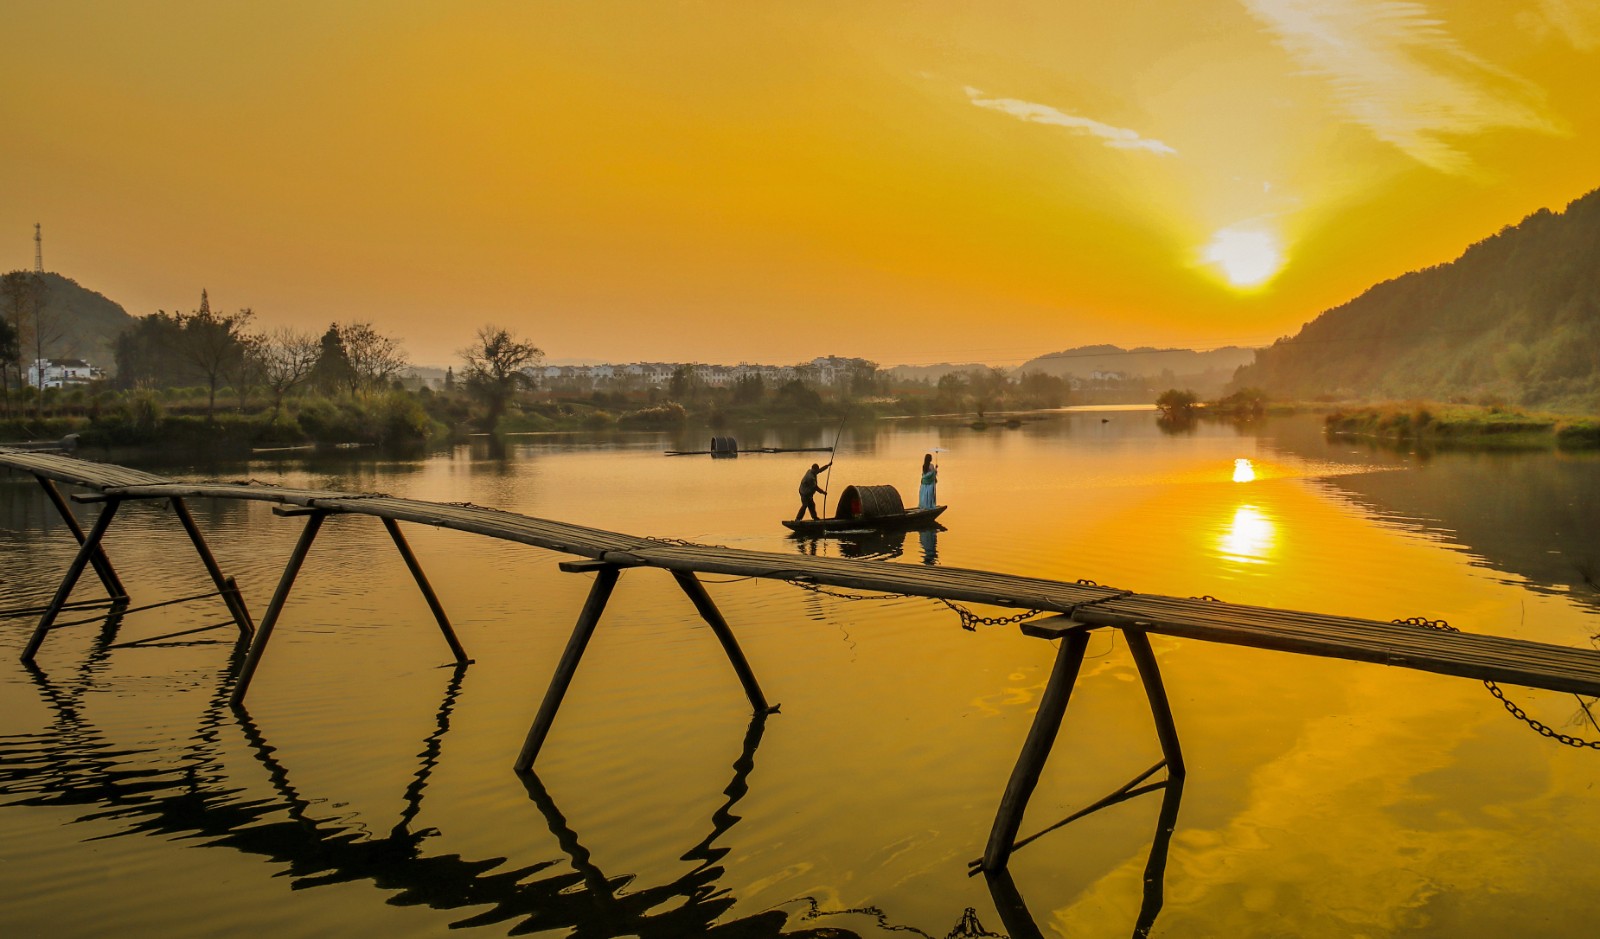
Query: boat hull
(903,521)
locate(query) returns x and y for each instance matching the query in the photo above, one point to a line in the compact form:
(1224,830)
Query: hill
(1205,373)
(1515,319)
(83,323)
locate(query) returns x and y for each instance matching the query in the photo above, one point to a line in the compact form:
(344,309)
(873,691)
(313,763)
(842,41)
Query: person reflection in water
(930,483)
(809,487)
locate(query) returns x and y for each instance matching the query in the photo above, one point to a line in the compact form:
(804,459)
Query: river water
(367,787)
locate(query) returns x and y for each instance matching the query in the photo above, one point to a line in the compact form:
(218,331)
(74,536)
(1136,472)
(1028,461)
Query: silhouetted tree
(332,372)
(212,345)
(287,358)
(495,370)
(375,359)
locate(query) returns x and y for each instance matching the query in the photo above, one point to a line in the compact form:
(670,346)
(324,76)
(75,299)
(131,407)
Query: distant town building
(60,373)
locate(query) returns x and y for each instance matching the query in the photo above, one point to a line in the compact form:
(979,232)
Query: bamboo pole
(90,545)
(102,564)
(226,586)
(599,594)
(258,643)
(1150,673)
(412,565)
(708,611)
(1041,737)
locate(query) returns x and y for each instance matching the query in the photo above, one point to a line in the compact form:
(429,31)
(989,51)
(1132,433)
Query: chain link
(1511,707)
(970,621)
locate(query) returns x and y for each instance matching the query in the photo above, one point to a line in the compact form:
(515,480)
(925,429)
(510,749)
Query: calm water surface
(367,790)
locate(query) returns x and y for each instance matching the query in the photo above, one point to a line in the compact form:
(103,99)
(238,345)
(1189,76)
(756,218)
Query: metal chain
(970,621)
(1544,729)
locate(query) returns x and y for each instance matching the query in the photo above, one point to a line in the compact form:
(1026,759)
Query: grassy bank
(1466,425)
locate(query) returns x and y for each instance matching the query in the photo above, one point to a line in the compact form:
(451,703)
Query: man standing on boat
(809,487)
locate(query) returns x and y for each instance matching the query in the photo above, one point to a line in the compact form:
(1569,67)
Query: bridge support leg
(439,616)
(102,564)
(227,587)
(86,551)
(1041,737)
(258,643)
(708,611)
(1160,709)
(599,594)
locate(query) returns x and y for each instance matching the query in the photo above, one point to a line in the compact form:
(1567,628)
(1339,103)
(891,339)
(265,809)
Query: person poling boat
(809,487)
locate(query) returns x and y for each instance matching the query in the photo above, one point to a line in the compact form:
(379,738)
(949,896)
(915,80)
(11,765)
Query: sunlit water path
(369,787)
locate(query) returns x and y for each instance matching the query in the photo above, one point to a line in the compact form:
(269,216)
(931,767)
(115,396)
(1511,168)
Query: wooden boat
(867,508)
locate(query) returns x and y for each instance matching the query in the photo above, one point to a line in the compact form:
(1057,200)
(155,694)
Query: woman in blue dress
(930,483)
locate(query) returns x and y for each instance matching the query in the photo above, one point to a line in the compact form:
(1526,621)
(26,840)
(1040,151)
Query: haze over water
(369,790)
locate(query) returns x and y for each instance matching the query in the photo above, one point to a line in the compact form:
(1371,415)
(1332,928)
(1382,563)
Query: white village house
(60,373)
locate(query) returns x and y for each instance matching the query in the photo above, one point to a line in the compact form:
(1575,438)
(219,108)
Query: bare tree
(287,358)
(496,369)
(375,359)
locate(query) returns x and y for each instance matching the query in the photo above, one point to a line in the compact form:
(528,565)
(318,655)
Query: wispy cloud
(1576,21)
(1395,70)
(1119,138)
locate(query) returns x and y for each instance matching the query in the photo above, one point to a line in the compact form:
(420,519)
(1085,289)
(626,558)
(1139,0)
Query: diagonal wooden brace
(258,642)
(102,564)
(1036,749)
(227,587)
(406,554)
(708,611)
(599,594)
(86,551)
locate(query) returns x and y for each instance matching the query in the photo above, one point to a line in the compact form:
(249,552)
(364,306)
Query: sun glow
(1246,256)
(1243,471)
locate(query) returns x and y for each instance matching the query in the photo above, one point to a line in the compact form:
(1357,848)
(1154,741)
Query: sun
(1247,257)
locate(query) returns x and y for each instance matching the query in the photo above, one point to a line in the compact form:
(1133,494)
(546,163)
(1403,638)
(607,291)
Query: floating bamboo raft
(1077,607)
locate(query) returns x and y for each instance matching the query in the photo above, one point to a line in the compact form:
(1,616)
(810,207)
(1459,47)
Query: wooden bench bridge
(1059,610)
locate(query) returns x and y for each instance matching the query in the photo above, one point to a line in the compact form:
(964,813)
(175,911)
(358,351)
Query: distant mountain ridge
(1205,372)
(1516,318)
(86,322)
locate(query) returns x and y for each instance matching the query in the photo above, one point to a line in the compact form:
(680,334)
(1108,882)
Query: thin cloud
(1395,70)
(1576,21)
(1119,138)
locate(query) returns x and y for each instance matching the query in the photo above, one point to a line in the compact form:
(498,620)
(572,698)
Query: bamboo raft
(1075,608)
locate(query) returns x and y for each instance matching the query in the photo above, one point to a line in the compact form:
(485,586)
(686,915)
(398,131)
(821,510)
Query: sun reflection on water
(1251,537)
(1243,471)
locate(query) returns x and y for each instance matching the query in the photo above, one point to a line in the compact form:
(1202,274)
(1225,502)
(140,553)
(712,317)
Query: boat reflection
(872,545)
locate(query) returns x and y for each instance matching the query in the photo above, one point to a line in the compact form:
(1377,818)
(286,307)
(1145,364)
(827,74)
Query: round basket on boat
(869,502)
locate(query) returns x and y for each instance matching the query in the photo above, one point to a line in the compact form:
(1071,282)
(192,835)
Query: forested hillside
(73,321)
(1515,319)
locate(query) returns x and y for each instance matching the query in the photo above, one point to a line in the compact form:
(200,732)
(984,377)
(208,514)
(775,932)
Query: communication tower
(38,250)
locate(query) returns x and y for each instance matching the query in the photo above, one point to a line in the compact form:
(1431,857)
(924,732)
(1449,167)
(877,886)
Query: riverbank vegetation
(206,379)
(1466,425)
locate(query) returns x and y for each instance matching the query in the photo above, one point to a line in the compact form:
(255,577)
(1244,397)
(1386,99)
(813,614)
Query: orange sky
(727,181)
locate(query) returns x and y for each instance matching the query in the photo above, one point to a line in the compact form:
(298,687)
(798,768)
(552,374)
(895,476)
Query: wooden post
(1041,736)
(439,616)
(605,580)
(87,550)
(1160,709)
(226,587)
(258,643)
(708,611)
(102,564)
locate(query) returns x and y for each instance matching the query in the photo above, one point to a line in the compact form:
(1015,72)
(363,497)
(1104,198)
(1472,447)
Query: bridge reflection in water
(77,765)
